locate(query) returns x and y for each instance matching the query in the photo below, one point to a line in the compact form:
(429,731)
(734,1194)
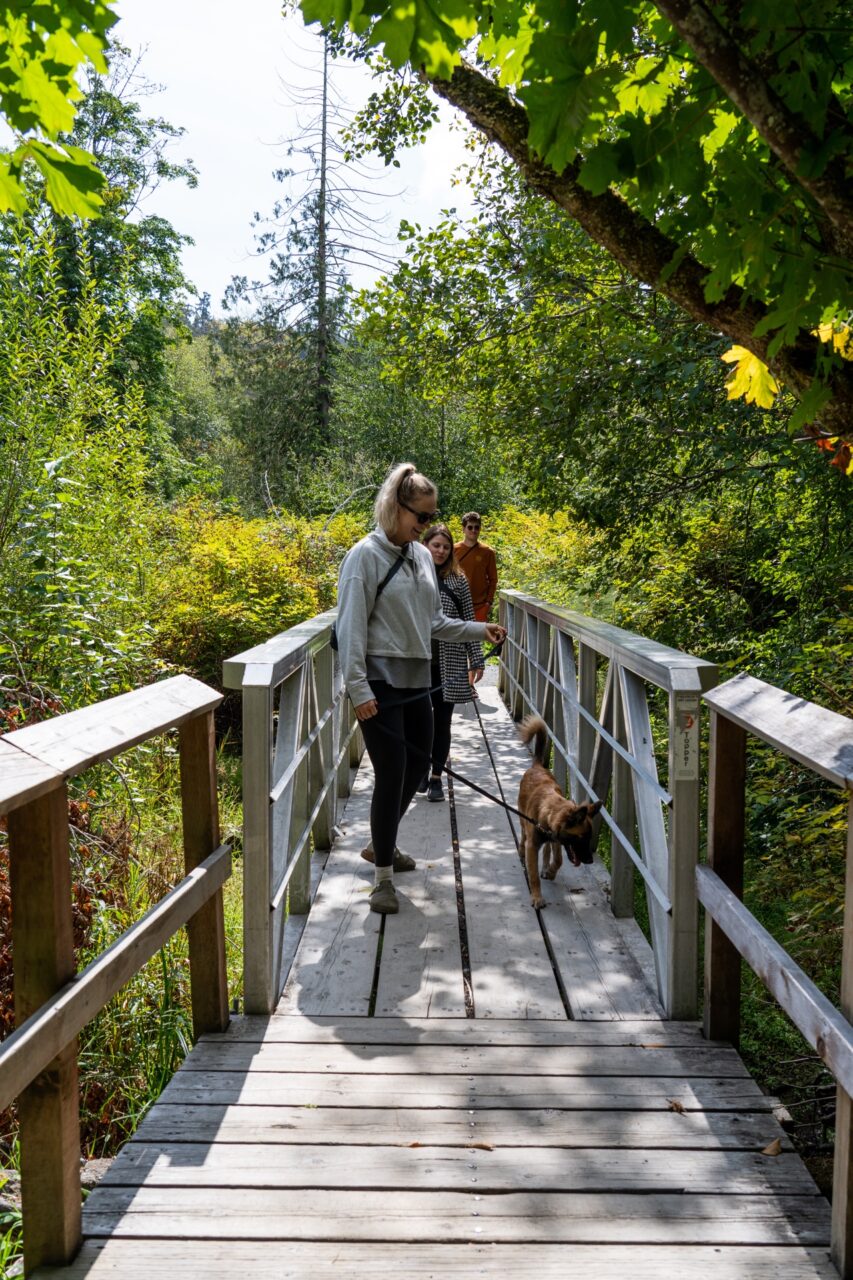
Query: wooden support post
(503,683)
(356,742)
(341,724)
(683,849)
(587,674)
(568,676)
(515,657)
(299,890)
(257,850)
(842,1178)
(726,818)
(559,768)
(621,867)
(43,954)
(601,770)
(544,688)
(323,755)
(206,929)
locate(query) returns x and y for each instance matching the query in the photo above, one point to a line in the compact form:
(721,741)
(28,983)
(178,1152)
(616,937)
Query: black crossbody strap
(442,586)
(398,564)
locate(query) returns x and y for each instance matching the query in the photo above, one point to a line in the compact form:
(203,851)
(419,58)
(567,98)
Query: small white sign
(686,745)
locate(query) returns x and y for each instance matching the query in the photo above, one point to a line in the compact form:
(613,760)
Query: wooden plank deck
(430,1101)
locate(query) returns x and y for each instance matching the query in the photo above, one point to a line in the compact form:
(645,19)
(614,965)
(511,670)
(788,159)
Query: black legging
(442,714)
(398,742)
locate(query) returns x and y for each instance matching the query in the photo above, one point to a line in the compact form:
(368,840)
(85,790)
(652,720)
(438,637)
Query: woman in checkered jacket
(456,668)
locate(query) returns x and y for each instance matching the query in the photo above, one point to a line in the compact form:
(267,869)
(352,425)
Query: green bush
(226,583)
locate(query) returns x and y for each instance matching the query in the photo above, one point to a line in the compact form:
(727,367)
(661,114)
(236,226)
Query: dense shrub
(226,583)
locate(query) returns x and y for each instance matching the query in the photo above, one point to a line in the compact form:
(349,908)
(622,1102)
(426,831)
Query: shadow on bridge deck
(501,1098)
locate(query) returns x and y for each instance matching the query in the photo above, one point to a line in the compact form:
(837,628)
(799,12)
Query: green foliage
(11,1234)
(134,257)
(73,510)
(749,184)
(560,571)
(43,48)
(226,584)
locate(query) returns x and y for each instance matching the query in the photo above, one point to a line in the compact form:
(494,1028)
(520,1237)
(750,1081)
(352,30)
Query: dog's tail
(534,726)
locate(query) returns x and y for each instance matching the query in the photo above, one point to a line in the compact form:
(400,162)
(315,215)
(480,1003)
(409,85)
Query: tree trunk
(643,250)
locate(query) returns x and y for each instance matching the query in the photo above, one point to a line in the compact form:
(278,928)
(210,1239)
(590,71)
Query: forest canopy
(708,148)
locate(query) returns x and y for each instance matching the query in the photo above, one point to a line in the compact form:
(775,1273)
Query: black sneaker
(423,785)
(435,791)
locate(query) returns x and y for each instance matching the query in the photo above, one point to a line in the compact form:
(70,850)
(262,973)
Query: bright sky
(225,68)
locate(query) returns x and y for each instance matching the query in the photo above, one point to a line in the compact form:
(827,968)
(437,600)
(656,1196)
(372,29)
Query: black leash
(494,764)
(451,773)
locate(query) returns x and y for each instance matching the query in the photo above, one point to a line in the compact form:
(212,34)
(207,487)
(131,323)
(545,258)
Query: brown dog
(559,823)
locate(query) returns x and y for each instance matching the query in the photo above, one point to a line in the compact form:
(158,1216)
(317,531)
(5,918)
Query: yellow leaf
(750,378)
(840,335)
(774,1149)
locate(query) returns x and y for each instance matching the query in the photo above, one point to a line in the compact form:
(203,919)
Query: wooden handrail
(822,1026)
(550,667)
(29,1049)
(822,741)
(38,1062)
(77,740)
(22,777)
(295,767)
(659,664)
(818,738)
(281,655)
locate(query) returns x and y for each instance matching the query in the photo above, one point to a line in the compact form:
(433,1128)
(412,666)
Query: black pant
(398,740)
(442,714)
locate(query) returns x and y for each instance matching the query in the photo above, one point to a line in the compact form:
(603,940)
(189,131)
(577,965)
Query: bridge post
(621,867)
(587,691)
(324,751)
(683,852)
(842,1177)
(726,825)
(206,929)
(257,847)
(43,949)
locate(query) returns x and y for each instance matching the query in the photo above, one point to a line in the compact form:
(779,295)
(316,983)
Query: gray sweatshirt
(401,622)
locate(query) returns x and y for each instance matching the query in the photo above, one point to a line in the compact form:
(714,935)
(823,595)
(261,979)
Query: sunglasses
(423,517)
(472,525)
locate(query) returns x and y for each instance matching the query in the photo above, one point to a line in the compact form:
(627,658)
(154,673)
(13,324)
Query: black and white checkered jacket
(455,659)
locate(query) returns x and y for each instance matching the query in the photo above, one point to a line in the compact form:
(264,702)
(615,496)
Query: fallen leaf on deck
(675,1105)
(774,1149)
(416,1144)
(480,1146)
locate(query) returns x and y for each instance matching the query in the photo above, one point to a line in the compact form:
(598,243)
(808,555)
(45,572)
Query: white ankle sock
(382,873)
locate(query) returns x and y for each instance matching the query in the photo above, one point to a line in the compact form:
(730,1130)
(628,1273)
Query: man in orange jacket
(477,562)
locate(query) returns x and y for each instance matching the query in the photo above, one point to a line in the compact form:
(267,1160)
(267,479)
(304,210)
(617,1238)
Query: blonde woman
(389,609)
(456,668)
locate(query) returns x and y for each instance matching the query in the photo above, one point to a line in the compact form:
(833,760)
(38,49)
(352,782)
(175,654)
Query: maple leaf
(749,378)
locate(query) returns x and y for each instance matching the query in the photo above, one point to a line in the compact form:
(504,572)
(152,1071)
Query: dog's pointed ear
(596,808)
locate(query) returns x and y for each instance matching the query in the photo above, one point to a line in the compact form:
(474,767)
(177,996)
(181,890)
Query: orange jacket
(480,568)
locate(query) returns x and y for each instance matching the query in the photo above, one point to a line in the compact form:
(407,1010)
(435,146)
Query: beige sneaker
(401,862)
(383,898)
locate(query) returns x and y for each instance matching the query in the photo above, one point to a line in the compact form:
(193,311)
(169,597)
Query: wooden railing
(604,747)
(38,1061)
(823,742)
(300,738)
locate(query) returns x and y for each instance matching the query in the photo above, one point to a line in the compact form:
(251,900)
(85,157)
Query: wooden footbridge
(469,1088)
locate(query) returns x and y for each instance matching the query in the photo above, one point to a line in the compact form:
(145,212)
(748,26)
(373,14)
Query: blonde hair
(403,483)
(451,564)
